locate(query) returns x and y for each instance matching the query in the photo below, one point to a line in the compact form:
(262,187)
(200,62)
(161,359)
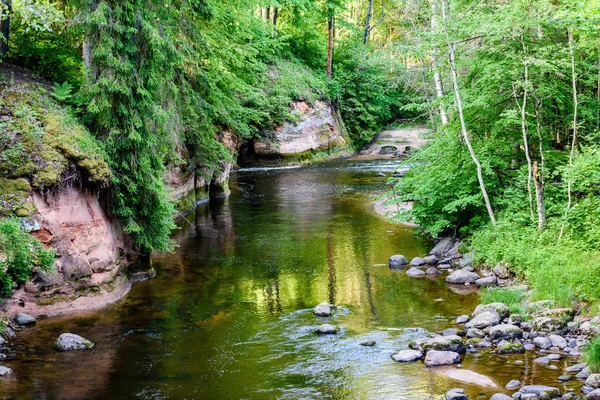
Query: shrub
(591,355)
(20,253)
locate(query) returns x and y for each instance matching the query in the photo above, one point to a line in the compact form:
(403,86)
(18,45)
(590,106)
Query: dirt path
(394,143)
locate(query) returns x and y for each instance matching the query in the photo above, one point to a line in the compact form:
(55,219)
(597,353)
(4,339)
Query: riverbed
(229,314)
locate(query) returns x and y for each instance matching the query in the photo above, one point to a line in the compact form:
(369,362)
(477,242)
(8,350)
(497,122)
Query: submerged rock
(368,343)
(70,341)
(407,356)
(24,319)
(323,310)
(483,320)
(327,329)
(397,260)
(468,376)
(461,276)
(415,273)
(435,358)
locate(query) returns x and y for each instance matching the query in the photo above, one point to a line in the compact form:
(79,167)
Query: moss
(511,348)
(14,197)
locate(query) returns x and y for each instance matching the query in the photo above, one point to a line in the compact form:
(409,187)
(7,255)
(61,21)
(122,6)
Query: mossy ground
(39,140)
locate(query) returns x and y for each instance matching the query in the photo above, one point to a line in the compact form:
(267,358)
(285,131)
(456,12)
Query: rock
(398,260)
(407,356)
(416,262)
(24,319)
(461,319)
(369,343)
(327,329)
(573,343)
(415,273)
(515,319)
(443,247)
(479,343)
(469,269)
(542,361)
(456,394)
(380,174)
(452,331)
(435,357)
(593,395)
(483,320)
(433,271)
(593,381)
(322,310)
(501,396)
(505,331)
(499,308)
(510,348)
(564,378)
(542,326)
(513,385)
(576,368)
(70,341)
(445,261)
(471,377)
(542,342)
(487,281)
(591,327)
(554,357)
(430,260)
(461,276)
(529,346)
(5,371)
(584,373)
(501,271)
(475,333)
(2,341)
(565,313)
(445,343)
(586,390)
(546,392)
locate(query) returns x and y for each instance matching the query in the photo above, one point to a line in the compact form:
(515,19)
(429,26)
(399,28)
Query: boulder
(24,319)
(593,381)
(416,262)
(515,347)
(323,310)
(70,341)
(487,281)
(443,247)
(546,392)
(479,343)
(456,394)
(558,341)
(542,342)
(445,343)
(499,308)
(433,271)
(475,333)
(435,358)
(505,331)
(430,260)
(513,385)
(501,271)
(542,361)
(397,260)
(2,341)
(462,319)
(501,396)
(576,367)
(593,395)
(584,373)
(542,326)
(461,276)
(407,356)
(483,320)
(415,273)
(591,327)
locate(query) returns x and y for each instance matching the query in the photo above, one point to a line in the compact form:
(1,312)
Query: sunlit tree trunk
(368,22)
(329,66)
(463,125)
(538,176)
(574,139)
(437,77)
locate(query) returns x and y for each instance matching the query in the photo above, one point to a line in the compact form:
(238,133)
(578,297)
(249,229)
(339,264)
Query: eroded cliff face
(317,130)
(92,253)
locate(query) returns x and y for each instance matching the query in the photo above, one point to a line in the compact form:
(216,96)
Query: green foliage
(62,92)
(591,355)
(21,253)
(513,298)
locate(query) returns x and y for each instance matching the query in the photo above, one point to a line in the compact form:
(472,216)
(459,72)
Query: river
(229,314)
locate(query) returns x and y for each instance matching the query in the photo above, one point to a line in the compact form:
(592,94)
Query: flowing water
(229,314)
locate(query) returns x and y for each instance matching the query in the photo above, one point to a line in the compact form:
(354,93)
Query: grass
(591,355)
(513,298)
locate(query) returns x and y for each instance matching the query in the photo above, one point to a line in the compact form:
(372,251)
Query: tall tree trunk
(268,14)
(538,176)
(574,139)
(329,66)
(463,125)
(275,15)
(5,27)
(437,77)
(368,22)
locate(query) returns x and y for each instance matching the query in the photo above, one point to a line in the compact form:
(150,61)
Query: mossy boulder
(445,343)
(499,308)
(510,348)
(543,326)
